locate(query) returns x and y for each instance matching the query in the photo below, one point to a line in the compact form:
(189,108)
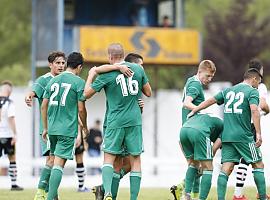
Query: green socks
(44,178)
(55,180)
(135,183)
(205,184)
(222,185)
(258,175)
(190,178)
(107,176)
(115,185)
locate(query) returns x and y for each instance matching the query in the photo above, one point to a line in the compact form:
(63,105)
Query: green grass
(145,194)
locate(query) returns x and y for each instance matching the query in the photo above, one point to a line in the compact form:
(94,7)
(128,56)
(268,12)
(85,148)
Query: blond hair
(207,65)
(116,50)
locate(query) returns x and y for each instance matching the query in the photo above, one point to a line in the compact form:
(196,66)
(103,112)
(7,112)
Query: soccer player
(8,133)
(241,172)
(196,136)
(123,118)
(56,60)
(63,101)
(122,162)
(193,95)
(241,103)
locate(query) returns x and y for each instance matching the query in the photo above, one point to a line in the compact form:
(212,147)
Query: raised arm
(88,90)
(108,68)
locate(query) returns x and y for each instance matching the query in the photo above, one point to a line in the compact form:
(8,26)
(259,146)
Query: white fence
(170,163)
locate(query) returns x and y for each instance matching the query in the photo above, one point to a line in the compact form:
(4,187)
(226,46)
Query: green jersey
(237,114)
(64,91)
(39,89)
(208,125)
(194,89)
(122,95)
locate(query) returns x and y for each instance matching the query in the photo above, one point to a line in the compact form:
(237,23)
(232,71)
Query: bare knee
(258,165)
(49,161)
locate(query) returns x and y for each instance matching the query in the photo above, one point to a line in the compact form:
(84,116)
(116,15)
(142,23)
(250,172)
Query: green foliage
(18,74)
(15,35)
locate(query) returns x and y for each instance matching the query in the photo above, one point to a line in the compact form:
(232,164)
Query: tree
(234,38)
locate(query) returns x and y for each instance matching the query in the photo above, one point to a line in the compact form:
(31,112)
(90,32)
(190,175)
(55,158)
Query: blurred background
(173,36)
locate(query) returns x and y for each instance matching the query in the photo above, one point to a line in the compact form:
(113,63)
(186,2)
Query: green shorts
(115,140)
(233,151)
(62,146)
(45,146)
(195,144)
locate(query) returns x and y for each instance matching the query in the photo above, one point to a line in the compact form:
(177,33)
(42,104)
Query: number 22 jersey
(237,113)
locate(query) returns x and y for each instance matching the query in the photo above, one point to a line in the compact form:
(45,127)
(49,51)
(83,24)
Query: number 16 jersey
(237,113)
(64,91)
(122,96)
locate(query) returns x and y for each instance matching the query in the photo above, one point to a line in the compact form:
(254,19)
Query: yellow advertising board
(156,45)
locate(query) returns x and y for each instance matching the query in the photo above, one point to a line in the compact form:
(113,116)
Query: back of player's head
(133,58)
(55,54)
(207,65)
(116,50)
(256,64)
(74,60)
(6,86)
(252,73)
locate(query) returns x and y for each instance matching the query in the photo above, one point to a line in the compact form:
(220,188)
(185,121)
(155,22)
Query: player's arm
(29,98)
(217,144)
(108,68)
(202,106)
(12,125)
(264,106)
(141,104)
(147,90)
(188,103)
(255,115)
(83,114)
(44,115)
(88,90)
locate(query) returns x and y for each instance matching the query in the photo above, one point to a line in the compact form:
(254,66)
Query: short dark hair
(55,54)
(255,63)
(74,60)
(252,72)
(133,58)
(7,82)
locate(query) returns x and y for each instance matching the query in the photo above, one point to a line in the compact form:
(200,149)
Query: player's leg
(241,174)
(80,169)
(118,164)
(134,145)
(206,179)
(12,170)
(253,155)
(112,146)
(203,152)
(43,184)
(63,149)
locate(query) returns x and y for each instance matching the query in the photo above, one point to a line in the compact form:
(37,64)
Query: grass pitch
(145,194)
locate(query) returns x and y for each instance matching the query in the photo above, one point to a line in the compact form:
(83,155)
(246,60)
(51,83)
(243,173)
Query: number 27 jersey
(237,113)
(64,91)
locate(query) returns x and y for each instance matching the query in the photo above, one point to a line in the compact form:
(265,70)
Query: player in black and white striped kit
(8,133)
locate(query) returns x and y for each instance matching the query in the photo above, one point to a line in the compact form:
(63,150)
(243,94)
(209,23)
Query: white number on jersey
(231,96)
(55,89)
(131,87)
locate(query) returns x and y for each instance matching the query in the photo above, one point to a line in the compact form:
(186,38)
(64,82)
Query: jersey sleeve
(39,87)
(11,110)
(219,98)
(47,91)
(254,97)
(80,90)
(262,91)
(101,81)
(193,89)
